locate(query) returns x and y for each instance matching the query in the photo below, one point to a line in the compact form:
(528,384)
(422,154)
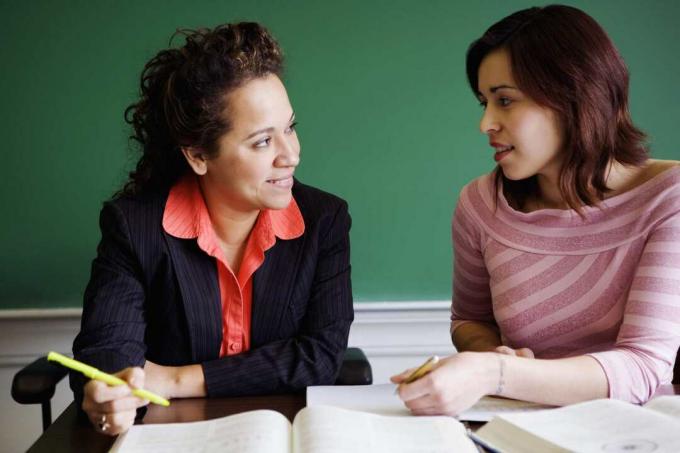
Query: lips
(500,155)
(284,182)
(502,150)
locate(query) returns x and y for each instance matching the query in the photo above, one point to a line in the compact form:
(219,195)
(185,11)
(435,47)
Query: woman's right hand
(112,409)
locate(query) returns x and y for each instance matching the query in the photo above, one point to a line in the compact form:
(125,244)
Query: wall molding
(359,307)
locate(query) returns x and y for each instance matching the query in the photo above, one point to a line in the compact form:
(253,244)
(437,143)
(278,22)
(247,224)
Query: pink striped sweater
(607,286)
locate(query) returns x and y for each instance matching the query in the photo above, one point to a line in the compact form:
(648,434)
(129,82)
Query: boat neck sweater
(606,284)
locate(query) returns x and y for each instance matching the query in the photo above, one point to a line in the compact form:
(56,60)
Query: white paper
(382,399)
(377,399)
(489,406)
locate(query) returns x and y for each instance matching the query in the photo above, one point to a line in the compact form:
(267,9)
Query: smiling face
(526,137)
(253,168)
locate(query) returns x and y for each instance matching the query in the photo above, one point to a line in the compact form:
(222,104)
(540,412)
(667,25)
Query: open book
(315,429)
(382,399)
(594,426)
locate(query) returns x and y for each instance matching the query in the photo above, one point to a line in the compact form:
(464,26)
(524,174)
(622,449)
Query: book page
(595,426)
(249,432)
(667,404)
(325,429)
(382,399)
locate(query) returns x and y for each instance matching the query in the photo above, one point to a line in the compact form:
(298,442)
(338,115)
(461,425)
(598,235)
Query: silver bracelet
(501,377)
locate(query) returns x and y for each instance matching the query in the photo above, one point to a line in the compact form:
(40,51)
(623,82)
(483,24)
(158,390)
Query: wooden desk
(69,434)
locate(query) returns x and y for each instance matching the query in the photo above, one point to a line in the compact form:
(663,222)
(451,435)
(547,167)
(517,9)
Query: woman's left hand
(455,384)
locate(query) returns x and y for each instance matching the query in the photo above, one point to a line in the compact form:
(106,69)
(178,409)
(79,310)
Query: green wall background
(386,121)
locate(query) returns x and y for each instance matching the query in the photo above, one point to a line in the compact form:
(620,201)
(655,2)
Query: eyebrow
(267,129)
(498,87)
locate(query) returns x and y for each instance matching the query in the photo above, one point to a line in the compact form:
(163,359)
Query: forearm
(175,381)
(556,382)
(476,336)
(280,366)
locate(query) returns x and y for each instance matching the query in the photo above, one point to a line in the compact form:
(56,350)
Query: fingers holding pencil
(413,374)
(112,409)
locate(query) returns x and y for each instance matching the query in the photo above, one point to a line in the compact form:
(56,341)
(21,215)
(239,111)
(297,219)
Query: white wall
(394,336)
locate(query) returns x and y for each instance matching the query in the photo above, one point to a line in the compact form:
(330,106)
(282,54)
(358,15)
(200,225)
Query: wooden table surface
(68,433)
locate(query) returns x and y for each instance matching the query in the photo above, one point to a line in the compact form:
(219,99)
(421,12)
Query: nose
(289,152)
(489,123)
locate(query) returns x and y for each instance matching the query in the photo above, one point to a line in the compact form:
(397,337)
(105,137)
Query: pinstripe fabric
(154,296)
(186,216)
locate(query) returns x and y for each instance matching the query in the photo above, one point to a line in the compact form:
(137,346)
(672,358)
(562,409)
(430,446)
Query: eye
(504,102)
(263,143)
(292,127)
(482,104)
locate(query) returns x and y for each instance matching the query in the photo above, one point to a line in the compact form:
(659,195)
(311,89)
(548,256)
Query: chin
(278,203)
(515,175)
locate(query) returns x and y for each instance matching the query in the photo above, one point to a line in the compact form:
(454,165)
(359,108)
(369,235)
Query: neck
(618,178)
(621,178)
(550,196)
(232,226)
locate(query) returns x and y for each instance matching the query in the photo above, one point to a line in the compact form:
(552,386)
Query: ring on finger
(103,424)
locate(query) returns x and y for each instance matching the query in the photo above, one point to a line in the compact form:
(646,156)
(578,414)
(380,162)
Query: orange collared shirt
(186,216)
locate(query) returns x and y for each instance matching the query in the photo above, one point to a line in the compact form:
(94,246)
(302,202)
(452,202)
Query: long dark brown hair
(564,60)
(183,93)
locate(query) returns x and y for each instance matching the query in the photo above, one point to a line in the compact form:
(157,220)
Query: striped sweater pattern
(607,285)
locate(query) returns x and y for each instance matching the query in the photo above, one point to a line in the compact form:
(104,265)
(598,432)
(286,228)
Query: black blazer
(154,296)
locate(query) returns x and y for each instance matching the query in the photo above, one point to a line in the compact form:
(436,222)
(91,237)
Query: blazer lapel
(197,277)
(272,291)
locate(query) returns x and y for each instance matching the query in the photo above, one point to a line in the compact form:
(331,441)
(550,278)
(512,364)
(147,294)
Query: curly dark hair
(563,59)
(182,97)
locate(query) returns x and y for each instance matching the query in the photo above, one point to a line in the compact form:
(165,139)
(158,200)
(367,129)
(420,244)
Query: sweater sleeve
(649,337)
(471,291)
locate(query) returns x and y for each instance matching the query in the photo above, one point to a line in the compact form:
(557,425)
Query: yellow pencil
(94,373)
(419,372)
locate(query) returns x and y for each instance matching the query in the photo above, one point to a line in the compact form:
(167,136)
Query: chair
(36,382)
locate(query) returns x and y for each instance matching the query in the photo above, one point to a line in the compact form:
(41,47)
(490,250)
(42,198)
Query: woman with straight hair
(566,282)
(217,273)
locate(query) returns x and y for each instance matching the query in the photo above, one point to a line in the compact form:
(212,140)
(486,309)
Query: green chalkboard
(386,121)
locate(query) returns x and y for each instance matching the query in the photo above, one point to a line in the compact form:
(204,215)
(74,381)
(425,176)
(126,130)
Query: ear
(196,159)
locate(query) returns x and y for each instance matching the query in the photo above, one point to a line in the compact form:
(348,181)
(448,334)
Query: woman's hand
(521,352)
(455,383)
(112,409)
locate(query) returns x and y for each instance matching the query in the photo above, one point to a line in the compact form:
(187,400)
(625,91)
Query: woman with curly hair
(217,273)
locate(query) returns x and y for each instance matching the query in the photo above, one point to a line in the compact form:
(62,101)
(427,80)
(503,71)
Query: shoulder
(656,167)
(477,194)
(648,176)
(660,181)
(315,203)
(144,210)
